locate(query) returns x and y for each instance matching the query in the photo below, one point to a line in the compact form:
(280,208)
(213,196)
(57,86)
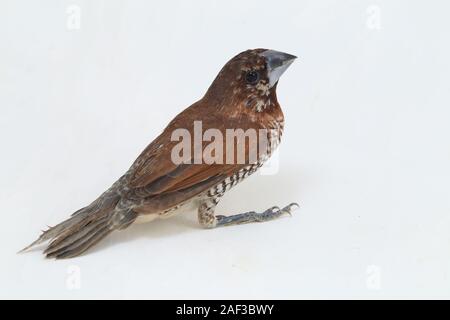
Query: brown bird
(242,96)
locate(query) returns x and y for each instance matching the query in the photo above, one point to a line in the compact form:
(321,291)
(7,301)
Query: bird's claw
(275,212)
(290,208)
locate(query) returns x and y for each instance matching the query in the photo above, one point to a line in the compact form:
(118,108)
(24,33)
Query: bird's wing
(154,173)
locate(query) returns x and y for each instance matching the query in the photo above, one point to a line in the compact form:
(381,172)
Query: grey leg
(252,216)
(208,219)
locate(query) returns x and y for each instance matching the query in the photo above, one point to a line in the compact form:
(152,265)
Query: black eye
(252,77)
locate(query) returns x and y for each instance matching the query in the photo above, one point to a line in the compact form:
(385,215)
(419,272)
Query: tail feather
(71,236)
(81,231)
(52,232)
(80,245)
(73,252)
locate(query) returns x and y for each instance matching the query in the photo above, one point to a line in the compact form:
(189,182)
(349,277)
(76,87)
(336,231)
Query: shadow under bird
(242,96)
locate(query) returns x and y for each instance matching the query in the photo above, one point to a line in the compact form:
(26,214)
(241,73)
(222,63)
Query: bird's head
(250,78)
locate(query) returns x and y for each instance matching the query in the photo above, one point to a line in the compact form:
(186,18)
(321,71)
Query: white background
(365,151)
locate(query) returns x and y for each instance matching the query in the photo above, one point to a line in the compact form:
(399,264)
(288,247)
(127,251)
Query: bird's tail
(83,229)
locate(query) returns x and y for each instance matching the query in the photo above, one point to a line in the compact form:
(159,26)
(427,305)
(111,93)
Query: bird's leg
(208,219)
(252,216)
(206,216)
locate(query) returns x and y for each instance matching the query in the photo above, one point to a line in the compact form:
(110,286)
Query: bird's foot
(252,216)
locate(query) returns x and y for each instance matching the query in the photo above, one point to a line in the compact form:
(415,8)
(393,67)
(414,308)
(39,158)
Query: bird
(241,97)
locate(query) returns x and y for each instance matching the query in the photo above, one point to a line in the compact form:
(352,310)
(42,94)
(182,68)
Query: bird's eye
(252,77)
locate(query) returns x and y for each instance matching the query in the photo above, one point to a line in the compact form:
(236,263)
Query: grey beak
(277,63)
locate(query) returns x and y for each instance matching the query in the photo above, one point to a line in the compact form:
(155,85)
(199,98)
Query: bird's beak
(277,63)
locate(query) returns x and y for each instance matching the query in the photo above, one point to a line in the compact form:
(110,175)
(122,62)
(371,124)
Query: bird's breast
(274,138)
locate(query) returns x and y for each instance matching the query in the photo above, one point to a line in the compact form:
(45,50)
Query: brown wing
(155,175)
